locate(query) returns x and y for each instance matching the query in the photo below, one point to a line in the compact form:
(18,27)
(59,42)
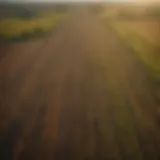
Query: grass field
(147,29)
(144,41)
(19,27)
(141,33)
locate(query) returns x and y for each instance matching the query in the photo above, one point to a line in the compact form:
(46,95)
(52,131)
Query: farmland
(139,27)
(79,93)
(23,21)
(147,29)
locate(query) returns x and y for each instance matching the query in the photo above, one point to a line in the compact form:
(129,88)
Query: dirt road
(79,94)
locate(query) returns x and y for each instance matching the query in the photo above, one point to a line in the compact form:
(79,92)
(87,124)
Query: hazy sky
(72,0)
(63,0)
(138,1)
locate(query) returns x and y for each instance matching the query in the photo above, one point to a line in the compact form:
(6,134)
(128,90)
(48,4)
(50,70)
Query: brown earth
(79,94)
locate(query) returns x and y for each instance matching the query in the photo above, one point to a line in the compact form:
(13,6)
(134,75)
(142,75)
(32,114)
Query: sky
(63,0)
(138,1)
(68,0)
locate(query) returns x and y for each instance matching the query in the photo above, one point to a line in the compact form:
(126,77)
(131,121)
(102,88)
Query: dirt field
(79,94)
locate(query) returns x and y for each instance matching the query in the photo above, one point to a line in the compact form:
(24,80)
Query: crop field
(147,29)
(141,31)
(16,27)
(143,39)
(21,25)
(81,91)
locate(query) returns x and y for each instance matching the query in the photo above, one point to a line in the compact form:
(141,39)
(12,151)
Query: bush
(38,31)
(20,29)
(27,35)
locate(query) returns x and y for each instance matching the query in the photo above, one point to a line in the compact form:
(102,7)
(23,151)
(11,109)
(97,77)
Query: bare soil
(79,94)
